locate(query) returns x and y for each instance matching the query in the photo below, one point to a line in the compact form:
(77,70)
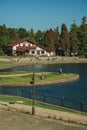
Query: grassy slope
(14,99)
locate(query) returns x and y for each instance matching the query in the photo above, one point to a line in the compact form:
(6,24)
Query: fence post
(44,97)
(17,91)
(0,91)
(62,101)
(30,94)
(82,105)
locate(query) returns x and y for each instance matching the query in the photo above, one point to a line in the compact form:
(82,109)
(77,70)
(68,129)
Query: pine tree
(22,33)
(74,39)
(57,38)
(49,39)
(64,39)
(31,35)
(39,37)
(12,33)
(82,36)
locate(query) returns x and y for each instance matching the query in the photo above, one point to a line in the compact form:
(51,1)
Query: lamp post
(33,91)
(33,94)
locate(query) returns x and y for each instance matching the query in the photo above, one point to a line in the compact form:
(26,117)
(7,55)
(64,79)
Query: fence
(81,106)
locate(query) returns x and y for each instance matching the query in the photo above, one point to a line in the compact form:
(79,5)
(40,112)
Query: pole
(33,95)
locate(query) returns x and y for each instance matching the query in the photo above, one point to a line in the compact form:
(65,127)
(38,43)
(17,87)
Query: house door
(38,52)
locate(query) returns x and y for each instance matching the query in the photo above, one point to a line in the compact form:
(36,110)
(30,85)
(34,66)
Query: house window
(38,52)
(23,44)
(33,52)
(42,52)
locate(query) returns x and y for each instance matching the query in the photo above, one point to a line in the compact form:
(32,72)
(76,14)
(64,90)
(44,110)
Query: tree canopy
(73,40)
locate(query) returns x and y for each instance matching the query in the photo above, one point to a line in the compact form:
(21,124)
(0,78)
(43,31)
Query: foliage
(4,36)
(82,36)
(66,41)
(1,52)
(74,39)
(12,33)
(39,37)
(22,33)
(49,39)
(31,35)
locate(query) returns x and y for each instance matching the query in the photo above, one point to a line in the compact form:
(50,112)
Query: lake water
(76,90)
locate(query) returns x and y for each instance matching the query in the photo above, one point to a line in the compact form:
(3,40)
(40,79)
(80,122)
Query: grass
(22,77)
(26,101)
(15,72)
(5,64)
(8,64)
(9,79)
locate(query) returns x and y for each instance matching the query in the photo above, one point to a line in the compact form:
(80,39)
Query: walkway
(12,119)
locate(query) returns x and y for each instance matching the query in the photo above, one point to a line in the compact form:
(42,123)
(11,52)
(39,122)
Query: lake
(76,90)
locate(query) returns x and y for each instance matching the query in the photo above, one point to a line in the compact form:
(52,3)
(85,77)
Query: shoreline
(62,59)
(28,61)
(10,62)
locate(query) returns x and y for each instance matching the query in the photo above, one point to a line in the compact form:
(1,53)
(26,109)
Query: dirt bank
(44,60)
(10,119)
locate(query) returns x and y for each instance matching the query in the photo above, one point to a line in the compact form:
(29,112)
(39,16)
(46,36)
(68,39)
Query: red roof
(14,43)
(24,48)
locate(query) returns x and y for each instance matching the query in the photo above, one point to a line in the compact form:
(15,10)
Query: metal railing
(81,106)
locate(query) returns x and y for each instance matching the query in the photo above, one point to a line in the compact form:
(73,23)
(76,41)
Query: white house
(26,47)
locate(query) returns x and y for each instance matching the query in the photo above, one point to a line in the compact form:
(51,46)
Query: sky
(41,14)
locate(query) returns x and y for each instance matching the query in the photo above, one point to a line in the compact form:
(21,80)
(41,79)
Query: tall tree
(31,35)
(4,36)
(3,30)
(39,37)
(49,39)
(65,39)
(22,33)
(12,33)
(57,38)
(84,20)
(74,38)
(82,35)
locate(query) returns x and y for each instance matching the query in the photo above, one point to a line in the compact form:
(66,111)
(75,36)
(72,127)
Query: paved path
(10,75)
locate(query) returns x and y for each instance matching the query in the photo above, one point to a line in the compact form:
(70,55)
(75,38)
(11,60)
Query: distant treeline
(66,42)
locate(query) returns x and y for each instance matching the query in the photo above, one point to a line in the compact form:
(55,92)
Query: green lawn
(26,77)
(4,63)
